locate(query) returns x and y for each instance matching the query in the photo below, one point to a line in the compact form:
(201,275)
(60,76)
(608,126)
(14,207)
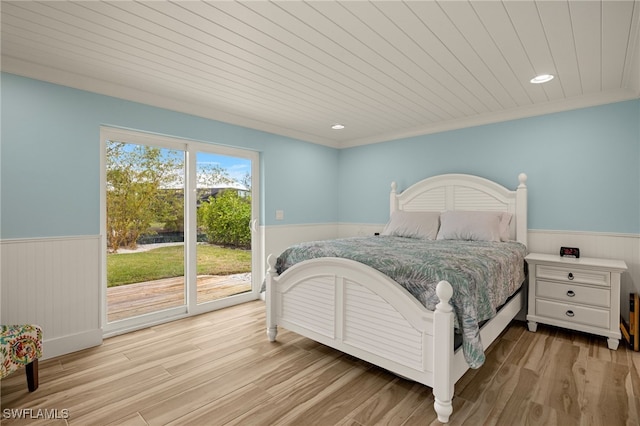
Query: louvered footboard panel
(373,325)
(311,304)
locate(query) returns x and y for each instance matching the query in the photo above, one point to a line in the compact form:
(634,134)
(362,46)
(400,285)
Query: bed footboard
(357,310)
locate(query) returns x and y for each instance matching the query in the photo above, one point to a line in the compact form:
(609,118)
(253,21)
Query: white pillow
(474,226)
(505,226)
(422,225)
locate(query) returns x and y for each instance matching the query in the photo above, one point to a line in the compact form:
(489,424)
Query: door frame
(191,148)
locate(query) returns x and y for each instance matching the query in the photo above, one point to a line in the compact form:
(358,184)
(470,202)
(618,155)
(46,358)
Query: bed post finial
(271,261)
(444,292)
(522,177)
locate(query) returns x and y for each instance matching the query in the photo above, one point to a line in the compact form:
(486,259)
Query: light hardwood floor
(219,369)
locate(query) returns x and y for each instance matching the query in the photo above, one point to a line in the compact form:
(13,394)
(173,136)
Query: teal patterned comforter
(483,274)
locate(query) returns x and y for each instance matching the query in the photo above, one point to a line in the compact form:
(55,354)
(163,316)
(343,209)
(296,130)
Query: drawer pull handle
(570,276)
(570,313)
(570,293)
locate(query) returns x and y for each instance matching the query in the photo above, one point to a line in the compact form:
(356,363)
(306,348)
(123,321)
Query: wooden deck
(126,301)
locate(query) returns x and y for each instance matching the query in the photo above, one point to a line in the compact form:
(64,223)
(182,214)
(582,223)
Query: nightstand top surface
(554,259)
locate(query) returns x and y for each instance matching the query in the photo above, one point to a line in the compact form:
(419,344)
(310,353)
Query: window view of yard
(146,281)
(166,262)
(145,230)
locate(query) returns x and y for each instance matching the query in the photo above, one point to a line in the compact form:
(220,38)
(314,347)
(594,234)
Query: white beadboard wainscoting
(55,283)
(592,244)
(278,237)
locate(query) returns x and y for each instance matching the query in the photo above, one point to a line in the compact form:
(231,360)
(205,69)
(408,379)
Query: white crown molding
(498,117)
(90,84)
(82,82)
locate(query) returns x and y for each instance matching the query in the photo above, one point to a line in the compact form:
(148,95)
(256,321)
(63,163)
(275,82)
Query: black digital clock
(570,252)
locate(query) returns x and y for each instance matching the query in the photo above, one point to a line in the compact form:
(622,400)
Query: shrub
(136,176)
(224,219)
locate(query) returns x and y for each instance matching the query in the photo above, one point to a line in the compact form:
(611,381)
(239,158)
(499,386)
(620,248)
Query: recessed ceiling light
(337,127)
(542,78)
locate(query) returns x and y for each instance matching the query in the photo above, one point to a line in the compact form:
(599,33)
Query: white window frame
(191,307)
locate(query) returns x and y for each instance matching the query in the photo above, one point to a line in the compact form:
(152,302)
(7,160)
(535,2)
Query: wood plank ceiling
(384,69)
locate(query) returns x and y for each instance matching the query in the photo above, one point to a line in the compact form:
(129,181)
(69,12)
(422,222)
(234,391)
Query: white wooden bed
(370,331)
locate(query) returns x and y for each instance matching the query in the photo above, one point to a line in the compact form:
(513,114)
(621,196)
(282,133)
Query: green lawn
(165,262)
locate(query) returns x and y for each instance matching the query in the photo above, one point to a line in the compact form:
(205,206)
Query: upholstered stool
(21,346)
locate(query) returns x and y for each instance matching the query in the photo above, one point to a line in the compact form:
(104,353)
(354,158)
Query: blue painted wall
(50,159)
(583,167)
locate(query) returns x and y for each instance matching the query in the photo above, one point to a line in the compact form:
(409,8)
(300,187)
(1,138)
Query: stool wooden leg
(32,375)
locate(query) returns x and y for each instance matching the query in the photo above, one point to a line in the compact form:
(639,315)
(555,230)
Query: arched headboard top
(466,192)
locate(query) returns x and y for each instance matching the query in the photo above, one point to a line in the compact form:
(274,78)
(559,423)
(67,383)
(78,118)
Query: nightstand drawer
(573,275)
(578,294)
(571,293)
(573,313)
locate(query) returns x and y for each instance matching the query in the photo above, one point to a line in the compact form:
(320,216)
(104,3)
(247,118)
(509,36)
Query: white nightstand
(580,294)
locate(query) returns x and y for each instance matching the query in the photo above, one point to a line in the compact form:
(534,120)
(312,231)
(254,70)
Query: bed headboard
(466,192)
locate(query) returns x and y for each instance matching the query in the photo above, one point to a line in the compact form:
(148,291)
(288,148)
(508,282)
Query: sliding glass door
(178,228)
(145,189)
(224,217)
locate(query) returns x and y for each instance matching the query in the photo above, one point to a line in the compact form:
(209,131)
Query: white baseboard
(57,346)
